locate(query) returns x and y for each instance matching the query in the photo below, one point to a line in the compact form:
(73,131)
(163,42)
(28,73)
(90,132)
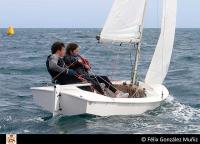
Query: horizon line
(88,28)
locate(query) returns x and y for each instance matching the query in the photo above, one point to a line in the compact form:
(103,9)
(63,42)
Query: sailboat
(125,25)
(10,31)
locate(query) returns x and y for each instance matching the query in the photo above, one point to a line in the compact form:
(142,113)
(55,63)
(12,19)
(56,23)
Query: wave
(181,112)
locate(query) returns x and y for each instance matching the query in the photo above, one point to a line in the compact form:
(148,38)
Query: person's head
(58,48)
(72,49)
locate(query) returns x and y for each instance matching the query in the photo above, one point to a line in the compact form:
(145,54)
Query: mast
(135,65)
(138,47)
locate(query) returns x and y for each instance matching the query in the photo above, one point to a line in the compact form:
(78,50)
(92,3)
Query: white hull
(74,101)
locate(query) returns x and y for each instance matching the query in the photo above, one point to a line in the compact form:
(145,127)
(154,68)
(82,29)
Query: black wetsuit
(72,61)
(59,72)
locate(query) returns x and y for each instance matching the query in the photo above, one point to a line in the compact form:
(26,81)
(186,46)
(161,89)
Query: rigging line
(110,84)
(131,59)
(164,24)
(95,77)
(163,47)
(67,67)
(112,58)
(92,71)
(116,62)
(131,51)
(131,56)
(87,51)
(77,77)
(137,89)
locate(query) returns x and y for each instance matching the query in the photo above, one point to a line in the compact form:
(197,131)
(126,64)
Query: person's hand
(80,61)
(87,67)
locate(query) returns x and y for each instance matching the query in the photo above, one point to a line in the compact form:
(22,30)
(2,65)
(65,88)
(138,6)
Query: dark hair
(71,47)
(56,47)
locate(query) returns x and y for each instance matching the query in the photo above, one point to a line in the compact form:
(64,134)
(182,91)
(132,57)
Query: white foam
(34,119)
(182,112)
(9,118)
(26,131)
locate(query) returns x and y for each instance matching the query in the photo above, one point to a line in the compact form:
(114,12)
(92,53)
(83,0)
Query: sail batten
(124,21)
(159,66)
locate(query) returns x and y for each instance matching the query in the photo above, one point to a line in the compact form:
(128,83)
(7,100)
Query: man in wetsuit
(56,67)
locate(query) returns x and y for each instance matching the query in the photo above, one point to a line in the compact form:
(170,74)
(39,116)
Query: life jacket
(63,78)
(71,62)
(85,61)
(58,79)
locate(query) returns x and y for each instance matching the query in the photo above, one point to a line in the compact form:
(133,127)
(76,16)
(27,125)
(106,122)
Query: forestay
(161,59)
(124,22)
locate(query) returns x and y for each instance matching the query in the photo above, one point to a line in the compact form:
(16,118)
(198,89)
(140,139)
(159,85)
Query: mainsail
(161,59)
(124,22)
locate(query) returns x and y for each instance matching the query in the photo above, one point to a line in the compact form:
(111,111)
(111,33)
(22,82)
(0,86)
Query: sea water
(22,65)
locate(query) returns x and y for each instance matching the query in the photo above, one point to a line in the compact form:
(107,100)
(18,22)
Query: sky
(84,13)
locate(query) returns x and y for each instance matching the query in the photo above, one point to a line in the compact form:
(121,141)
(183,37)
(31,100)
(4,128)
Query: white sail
(161,59)
(125,21)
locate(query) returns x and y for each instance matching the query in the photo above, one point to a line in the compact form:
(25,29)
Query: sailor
(56,67)
(81,65)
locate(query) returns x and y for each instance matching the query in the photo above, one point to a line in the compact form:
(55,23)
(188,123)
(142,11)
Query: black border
(102,138)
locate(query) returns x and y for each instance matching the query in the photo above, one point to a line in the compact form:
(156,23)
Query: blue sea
(22,65)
